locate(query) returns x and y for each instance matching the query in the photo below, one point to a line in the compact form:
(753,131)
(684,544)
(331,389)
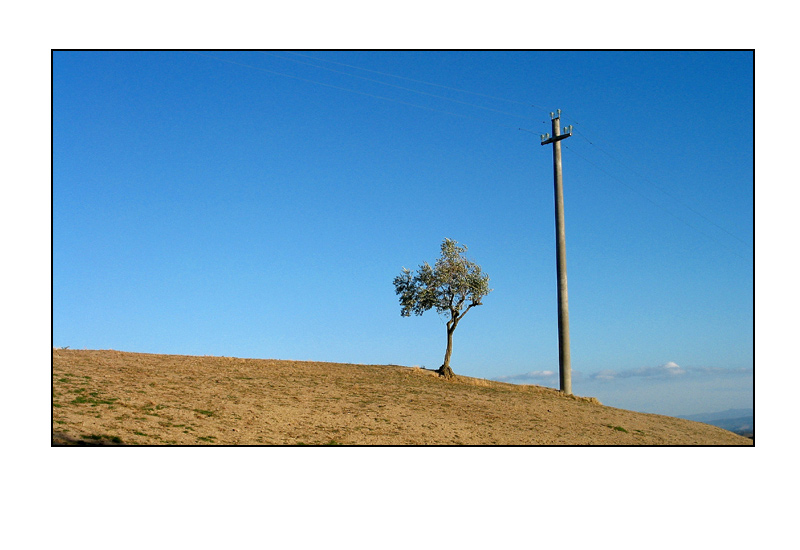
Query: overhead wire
(399,87)
(626,166)
(651,201)
(418,81)
(564,115)
(357,91)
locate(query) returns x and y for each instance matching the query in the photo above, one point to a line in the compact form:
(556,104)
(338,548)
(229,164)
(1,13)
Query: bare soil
(110,397)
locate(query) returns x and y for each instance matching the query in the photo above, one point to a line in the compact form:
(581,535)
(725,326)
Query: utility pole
(564,362)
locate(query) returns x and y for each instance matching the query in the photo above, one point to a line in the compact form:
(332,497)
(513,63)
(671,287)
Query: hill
(113,397)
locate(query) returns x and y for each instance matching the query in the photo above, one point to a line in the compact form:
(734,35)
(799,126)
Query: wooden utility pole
(564,363)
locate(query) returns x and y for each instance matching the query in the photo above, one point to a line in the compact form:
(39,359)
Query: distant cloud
(718,370)
(604,375)
(537,376)
(669,370)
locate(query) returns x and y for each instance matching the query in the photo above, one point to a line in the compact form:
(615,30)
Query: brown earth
(110,397)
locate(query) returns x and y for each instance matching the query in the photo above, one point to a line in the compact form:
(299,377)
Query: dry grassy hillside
(112,397)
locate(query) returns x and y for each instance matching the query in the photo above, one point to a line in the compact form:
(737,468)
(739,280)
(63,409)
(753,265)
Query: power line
(648,199)
(653,184)
(418,81)
(384,98)
(661,189)
(399,87)
(356,91)
(656,186)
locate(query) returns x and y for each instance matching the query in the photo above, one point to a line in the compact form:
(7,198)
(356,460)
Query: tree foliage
(453,286)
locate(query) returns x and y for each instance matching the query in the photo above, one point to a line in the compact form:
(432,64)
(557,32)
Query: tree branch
(473,304)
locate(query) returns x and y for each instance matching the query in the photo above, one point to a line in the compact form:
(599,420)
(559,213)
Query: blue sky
(259,204)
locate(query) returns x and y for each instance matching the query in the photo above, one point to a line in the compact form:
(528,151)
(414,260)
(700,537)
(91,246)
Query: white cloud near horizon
(538,375)
(668,370)
(668,388)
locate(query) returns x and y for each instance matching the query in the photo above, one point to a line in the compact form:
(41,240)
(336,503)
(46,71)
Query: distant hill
(739,421)
(117,398)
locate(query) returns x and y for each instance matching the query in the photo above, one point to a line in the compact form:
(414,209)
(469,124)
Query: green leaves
(453,285)
(406,286)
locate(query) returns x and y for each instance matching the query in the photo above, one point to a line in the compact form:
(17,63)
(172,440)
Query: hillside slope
(112,397)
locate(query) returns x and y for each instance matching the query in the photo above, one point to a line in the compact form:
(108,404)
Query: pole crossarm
(557,135)
(555,138)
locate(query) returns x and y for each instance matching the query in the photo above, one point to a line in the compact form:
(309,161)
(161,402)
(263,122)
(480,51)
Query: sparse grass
(617,428)
(150,409)
(171,425)
(93,401)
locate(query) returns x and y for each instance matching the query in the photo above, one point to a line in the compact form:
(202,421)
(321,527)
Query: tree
(453,286)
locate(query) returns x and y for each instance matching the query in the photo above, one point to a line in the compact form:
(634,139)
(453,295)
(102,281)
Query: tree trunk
(445,371)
